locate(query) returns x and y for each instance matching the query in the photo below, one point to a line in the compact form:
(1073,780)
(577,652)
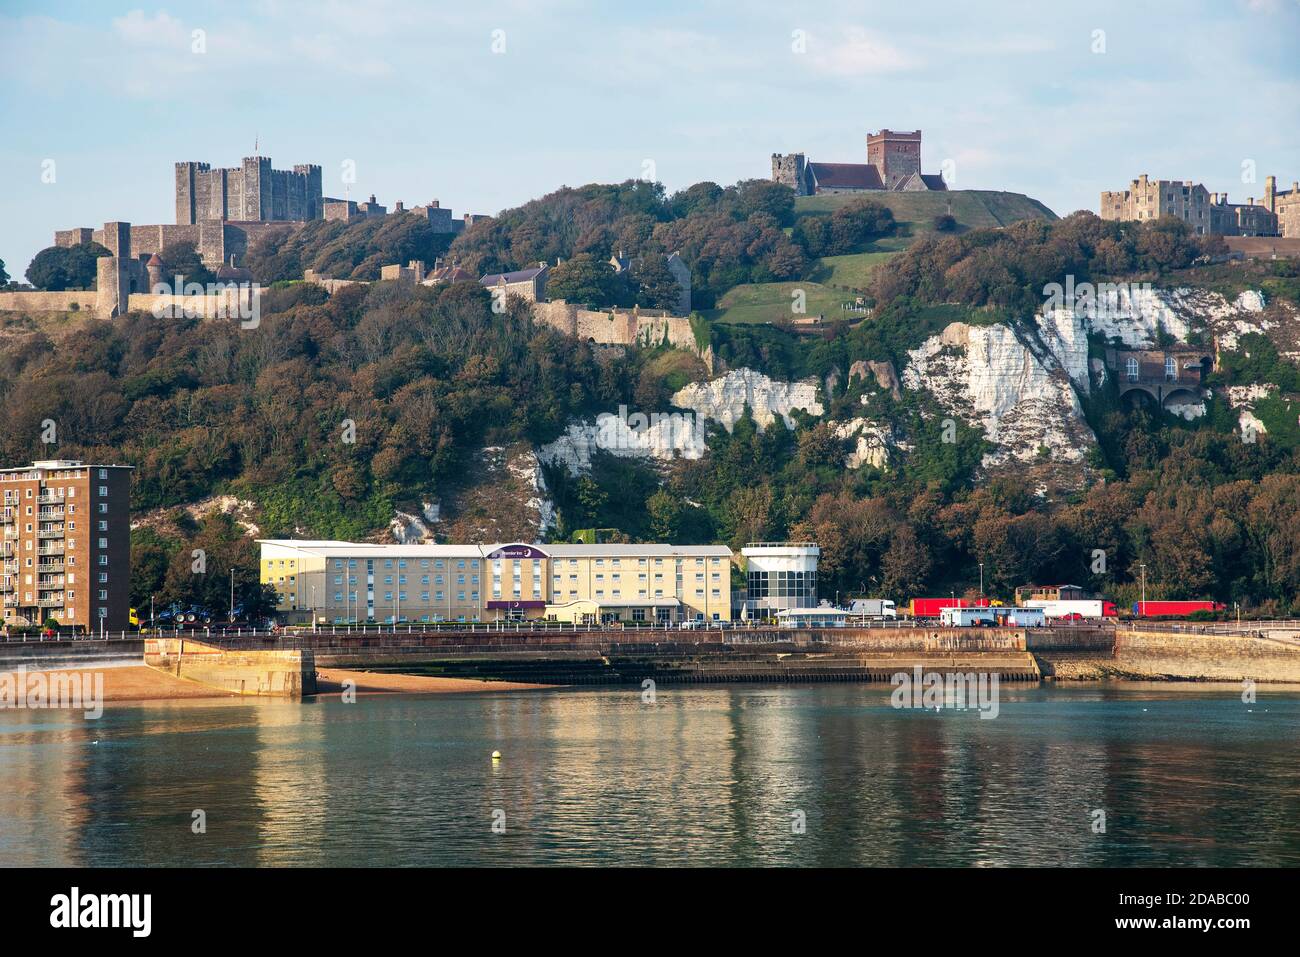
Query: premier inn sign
(518,551)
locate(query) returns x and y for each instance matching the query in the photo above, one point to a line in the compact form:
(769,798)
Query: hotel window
(424,563)
(424,580)
(460,596)
(438,596)
(401,563)
(438,563)
(460,579)
(460,564)
(424,596)
(388,579)
(401,579)
(388,563)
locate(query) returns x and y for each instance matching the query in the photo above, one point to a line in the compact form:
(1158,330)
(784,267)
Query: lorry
(1173,609)
(877,609)
(1076,609)
(930,607)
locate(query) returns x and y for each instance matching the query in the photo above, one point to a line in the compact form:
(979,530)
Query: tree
(182,259)
(4,276)
(665,513)
(656,287)
(57,268)
(945,223)
(587,280)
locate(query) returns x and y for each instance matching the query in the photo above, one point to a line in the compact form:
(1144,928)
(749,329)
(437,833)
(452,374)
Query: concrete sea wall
(274,673)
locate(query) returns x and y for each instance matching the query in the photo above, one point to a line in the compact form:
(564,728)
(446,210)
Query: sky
(486,105)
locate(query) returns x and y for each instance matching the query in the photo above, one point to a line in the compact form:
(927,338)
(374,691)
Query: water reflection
(699,776)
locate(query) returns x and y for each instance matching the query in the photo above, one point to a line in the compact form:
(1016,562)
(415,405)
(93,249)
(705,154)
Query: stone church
(893,163)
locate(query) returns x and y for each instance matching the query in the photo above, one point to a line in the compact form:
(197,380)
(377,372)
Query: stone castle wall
(617,327)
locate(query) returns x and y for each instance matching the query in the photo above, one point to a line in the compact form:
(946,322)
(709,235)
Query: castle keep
(253,192)
(893,163)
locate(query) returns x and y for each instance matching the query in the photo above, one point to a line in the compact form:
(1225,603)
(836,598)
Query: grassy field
(771,301)
(914,213)
(972,208)
(853,270)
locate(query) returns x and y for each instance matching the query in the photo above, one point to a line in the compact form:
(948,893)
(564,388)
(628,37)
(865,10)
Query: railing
(1213,627)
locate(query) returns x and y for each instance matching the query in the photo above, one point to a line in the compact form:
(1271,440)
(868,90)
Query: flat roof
(330,548)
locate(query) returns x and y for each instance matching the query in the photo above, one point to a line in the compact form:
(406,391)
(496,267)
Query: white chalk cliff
(987,377)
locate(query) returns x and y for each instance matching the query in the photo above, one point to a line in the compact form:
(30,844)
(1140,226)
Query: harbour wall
(273,673)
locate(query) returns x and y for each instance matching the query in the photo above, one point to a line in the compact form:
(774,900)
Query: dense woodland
(431,375)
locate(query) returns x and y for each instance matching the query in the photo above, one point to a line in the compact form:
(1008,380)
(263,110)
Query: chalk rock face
(873,442)
(1065,334)
(724,399)
(526,468)
(985,375)
(662,436)
(883,372)
(1136,316)
(408,529)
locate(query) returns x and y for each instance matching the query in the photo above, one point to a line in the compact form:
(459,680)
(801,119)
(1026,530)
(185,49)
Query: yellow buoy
(496,755)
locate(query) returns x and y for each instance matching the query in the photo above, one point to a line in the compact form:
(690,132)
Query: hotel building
(351,582)
(65,540)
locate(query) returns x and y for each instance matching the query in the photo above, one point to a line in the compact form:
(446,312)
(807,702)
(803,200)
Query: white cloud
(858,52)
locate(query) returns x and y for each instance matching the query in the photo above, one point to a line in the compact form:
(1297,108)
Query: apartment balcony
(50,549)
(46,584)
(8,519)
(53,601)
(50,532)
(45,498)
(49,566)
(50,514)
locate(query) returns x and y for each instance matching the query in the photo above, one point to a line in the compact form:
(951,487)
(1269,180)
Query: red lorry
(930,607)
(1159,609)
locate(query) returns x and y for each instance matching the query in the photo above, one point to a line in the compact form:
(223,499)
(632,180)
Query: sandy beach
(127,683)
(330,681)
(139,683)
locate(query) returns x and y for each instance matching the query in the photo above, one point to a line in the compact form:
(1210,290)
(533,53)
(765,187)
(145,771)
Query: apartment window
(1132,369)
(103,559)
(103,543)
(103,577)
(103,473)
(103,594)
(103,490)
(1171,368)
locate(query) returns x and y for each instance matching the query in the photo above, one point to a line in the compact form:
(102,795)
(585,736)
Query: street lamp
(232,595)
(1143,606)
(981,579)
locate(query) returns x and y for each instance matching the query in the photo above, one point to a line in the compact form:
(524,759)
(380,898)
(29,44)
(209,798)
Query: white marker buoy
(496,755)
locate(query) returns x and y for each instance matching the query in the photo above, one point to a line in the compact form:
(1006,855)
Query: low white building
(779,575)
